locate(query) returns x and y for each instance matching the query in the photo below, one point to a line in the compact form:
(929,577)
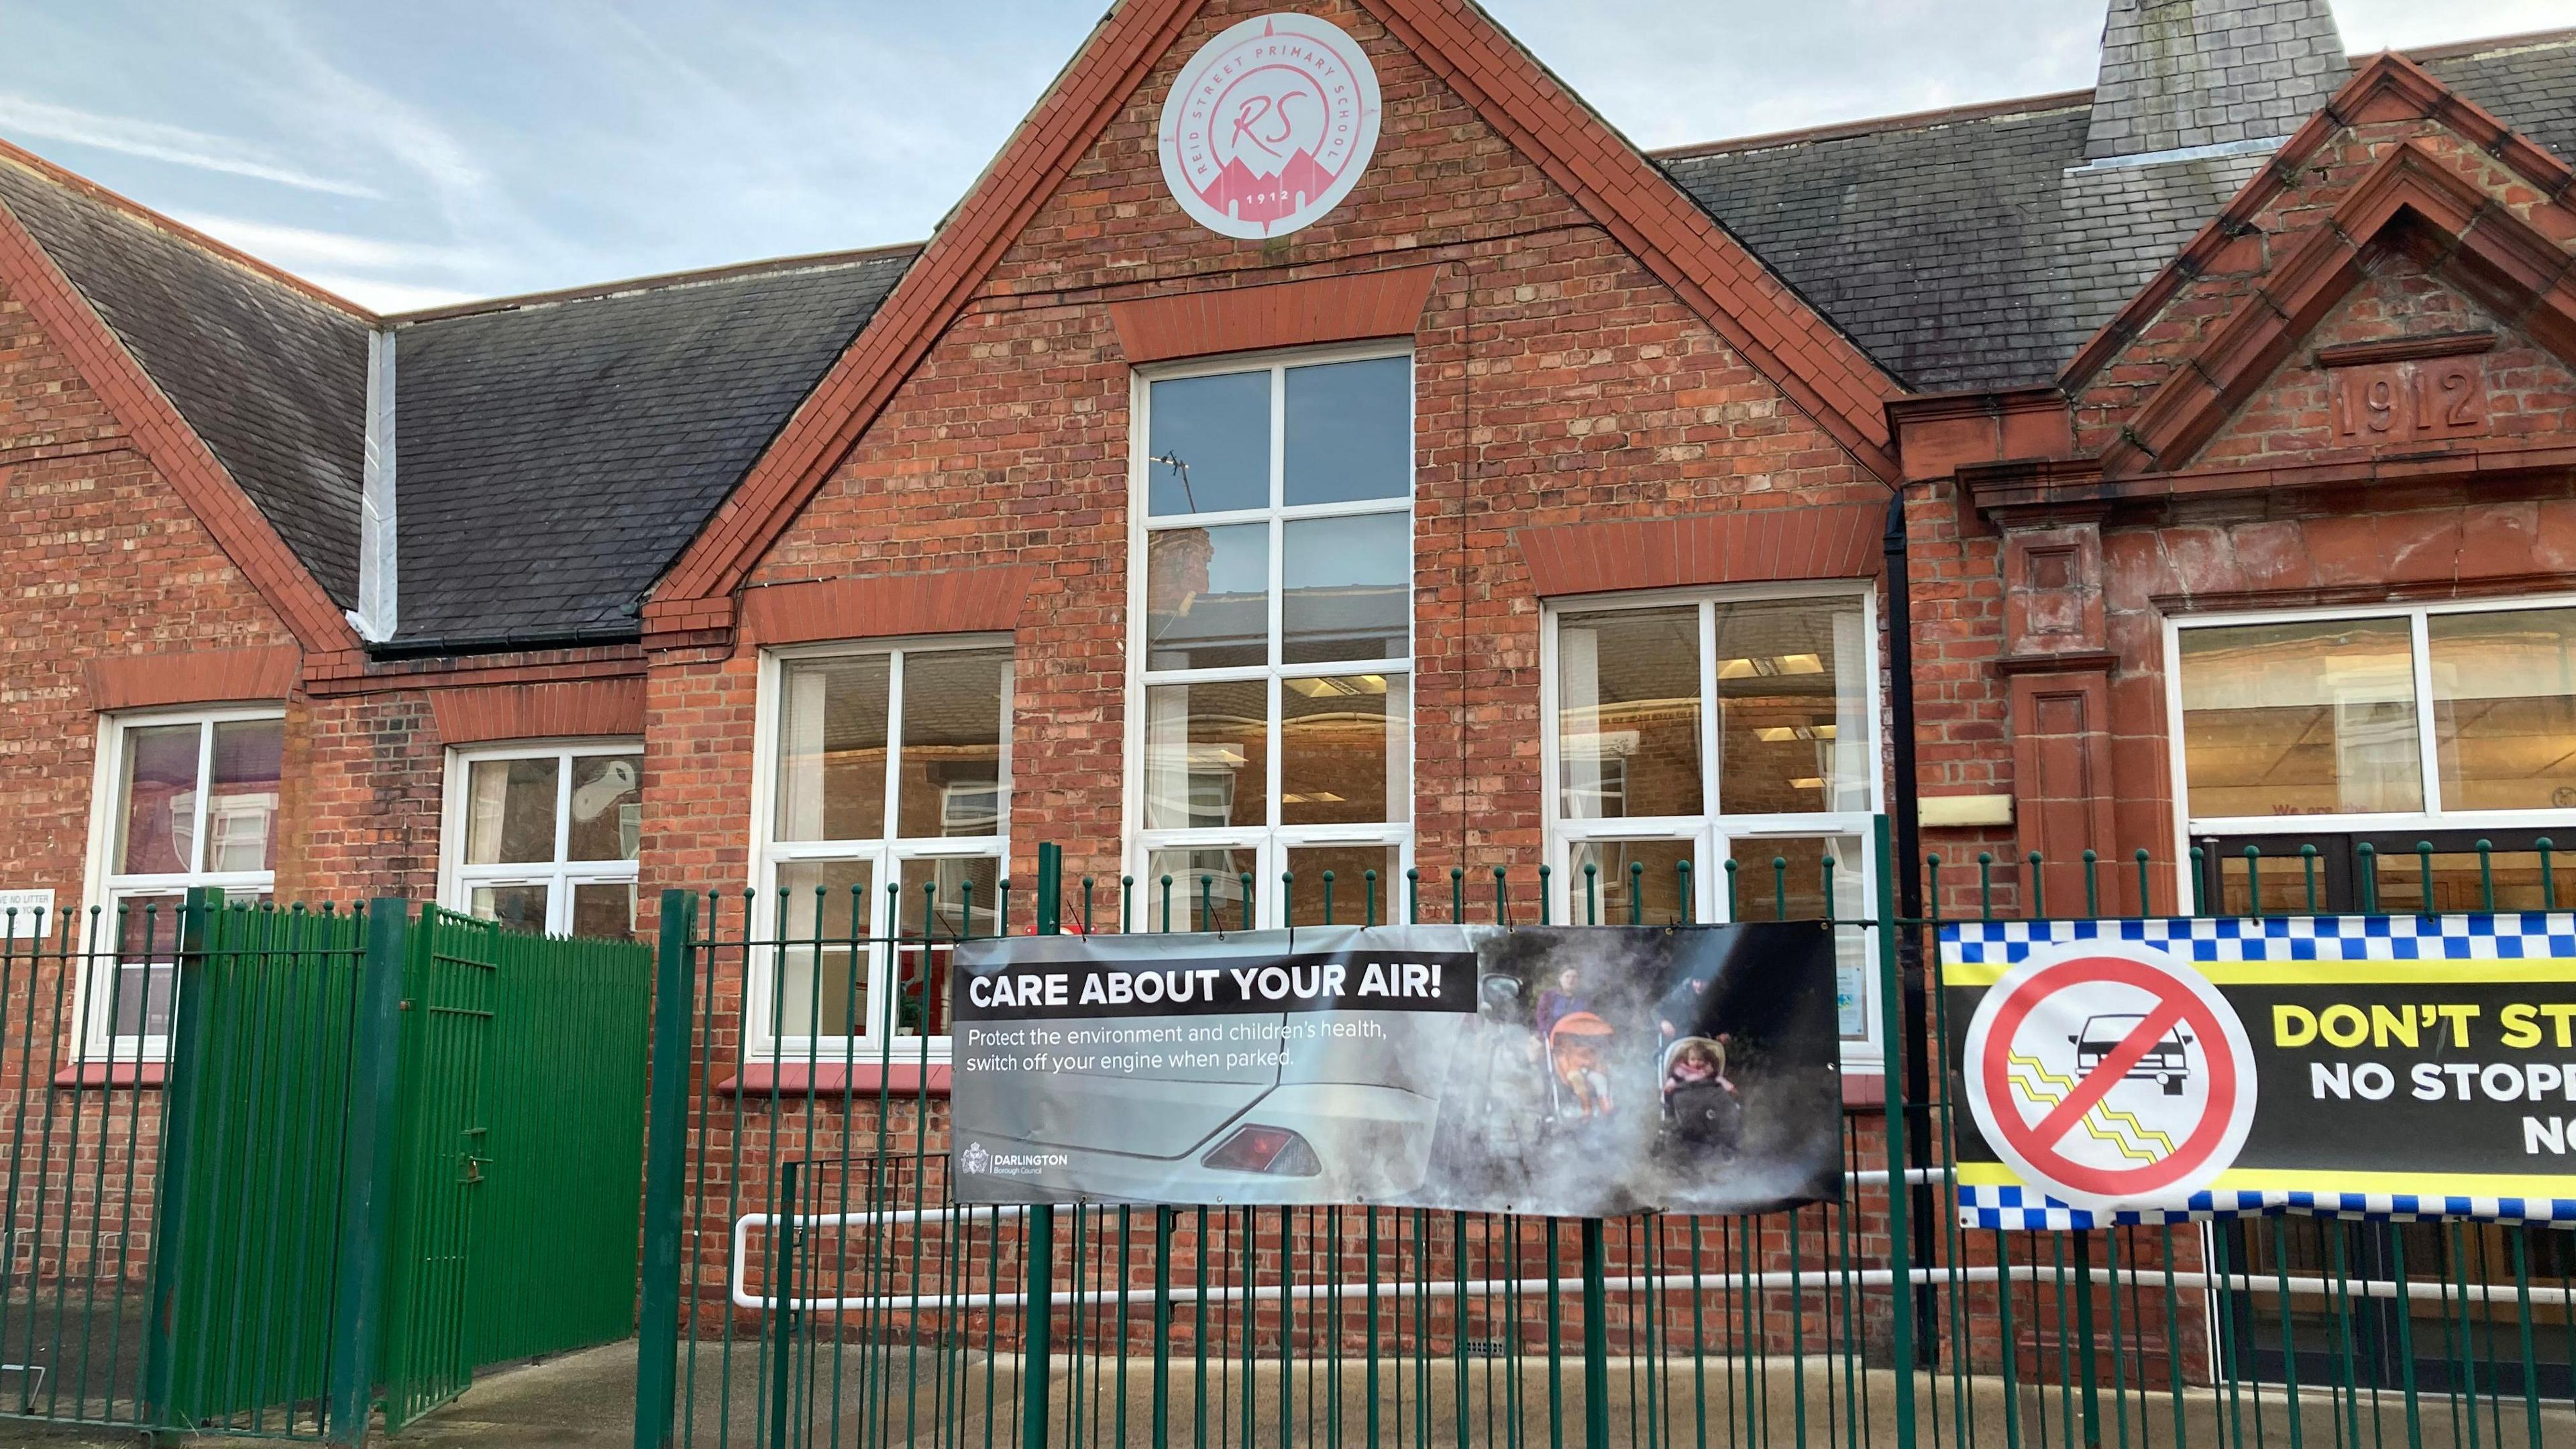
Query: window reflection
(510,812)
(1350,431)
(1342,750)
(1199,888)
(832,748)
(1209,446)
(2504,708)
(1207,597)
(1792,693)
(1348,588)
(822,959)
(157,827)
(1207,755)
(1355,899)
(241,795)
(1632,882)
(2308,718)
(607,807)
(1628,730)
(952,743)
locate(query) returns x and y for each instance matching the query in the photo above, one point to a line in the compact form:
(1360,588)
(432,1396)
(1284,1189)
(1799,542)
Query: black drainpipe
(1908,865)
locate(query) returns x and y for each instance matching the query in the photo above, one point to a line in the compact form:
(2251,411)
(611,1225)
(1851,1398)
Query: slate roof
(554,454)
(1976,248)
(273,378)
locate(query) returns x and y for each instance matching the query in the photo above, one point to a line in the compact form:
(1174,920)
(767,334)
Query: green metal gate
(380,1154)
(449,990)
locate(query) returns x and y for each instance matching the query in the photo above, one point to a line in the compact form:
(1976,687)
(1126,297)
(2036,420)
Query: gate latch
(472,1171)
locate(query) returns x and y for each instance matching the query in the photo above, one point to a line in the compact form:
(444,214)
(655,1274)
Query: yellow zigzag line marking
(2048,1089)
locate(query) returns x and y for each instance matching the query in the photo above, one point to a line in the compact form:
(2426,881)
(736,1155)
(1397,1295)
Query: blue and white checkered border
(2504,936)
(2021,1208)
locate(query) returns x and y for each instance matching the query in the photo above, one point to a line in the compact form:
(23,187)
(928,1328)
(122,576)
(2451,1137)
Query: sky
(412,155)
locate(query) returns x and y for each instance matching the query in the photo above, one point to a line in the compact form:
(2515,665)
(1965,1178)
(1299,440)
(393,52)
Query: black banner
(1565,1071)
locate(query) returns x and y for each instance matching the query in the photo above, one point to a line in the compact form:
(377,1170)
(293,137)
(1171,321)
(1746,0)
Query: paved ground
(586,1401)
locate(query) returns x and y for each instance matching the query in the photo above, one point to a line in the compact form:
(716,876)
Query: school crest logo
(1269,126)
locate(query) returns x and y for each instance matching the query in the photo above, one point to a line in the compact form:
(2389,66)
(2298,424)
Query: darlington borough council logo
(1269,126)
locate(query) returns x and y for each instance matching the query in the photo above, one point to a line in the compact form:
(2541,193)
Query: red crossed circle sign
(2110,1075)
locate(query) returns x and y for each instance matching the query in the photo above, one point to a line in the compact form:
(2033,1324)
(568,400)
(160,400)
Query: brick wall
(105,560)
(2428,358)
(1556,381)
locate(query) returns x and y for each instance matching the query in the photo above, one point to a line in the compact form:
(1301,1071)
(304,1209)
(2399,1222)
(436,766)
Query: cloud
(296,247)
(154,141)
(386,298)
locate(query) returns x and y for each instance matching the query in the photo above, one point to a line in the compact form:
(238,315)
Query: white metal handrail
(1798,1280)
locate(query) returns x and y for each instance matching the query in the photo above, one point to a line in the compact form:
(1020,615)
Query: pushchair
(1702,1111)
(1578,1066)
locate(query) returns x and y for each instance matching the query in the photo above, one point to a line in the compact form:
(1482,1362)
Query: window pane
(1628,724)
(832,748)
(241,809)
(1207,597)
(1207,755)
(2283,880)
(1348,588)
(1645,872)
(510,812)
(1210,444)
(518,907)
(1350,431)
(156,828)
(1784,880)
(1793,727)
(2504,708)
(1342,750)
(607,807)
(952,743)
(2300,719)
(1357,900)
(957,898)
(824,898)
(1205,889)
(822,980)
(134,996)
(604,910)
(2458,884)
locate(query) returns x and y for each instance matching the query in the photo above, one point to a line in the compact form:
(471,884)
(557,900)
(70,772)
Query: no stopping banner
(1572,1071)
(2151,1070)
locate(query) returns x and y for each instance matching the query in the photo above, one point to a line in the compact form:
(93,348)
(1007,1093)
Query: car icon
(2164,1063)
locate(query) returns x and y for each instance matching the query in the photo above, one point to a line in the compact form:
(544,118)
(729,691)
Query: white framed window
(182,799)
(885,766)
(1688,732)
(1271,665)
(542,836)
(2396,725)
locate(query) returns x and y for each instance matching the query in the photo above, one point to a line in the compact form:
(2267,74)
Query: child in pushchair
(1700,1103)
(1578,1041)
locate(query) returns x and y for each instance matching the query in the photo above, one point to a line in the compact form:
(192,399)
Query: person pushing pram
(1578,1048)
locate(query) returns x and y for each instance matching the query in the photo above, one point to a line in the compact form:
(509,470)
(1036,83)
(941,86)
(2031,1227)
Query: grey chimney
(2179,75)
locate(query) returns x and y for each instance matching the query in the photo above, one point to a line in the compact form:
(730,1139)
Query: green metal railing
(232,1201)
(814,1283)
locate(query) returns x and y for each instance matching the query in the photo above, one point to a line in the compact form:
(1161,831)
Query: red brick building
(1531,505)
